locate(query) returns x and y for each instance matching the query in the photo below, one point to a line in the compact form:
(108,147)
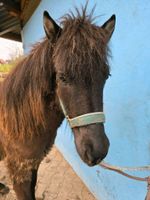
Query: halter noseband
(83,120)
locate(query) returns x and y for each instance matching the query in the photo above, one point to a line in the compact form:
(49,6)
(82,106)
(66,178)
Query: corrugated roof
(13,16)
(10,21)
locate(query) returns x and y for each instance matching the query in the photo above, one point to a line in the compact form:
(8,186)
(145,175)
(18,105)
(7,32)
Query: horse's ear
(52,30)
(109,26)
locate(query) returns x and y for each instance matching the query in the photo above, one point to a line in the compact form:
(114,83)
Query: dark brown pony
(70,63)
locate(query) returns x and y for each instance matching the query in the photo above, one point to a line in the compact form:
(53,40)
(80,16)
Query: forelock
(81,50)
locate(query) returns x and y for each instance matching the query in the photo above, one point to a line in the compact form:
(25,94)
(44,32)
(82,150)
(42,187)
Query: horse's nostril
(88,154)
(95,161)
(90,158)
(93,157)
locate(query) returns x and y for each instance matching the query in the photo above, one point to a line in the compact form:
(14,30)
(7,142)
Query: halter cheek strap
(83,120)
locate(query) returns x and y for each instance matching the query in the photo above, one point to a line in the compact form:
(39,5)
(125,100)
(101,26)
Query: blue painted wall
(126,96)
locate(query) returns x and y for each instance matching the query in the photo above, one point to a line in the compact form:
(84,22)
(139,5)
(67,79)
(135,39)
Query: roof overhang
(13,16)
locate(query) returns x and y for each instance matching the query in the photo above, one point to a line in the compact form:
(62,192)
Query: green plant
(5,67)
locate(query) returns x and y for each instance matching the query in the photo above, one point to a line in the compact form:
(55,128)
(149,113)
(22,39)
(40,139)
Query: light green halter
(83,120)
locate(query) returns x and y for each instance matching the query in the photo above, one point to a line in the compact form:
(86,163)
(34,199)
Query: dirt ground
(56,181)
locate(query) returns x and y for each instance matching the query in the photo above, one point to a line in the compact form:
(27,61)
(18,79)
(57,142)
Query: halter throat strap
(85,119)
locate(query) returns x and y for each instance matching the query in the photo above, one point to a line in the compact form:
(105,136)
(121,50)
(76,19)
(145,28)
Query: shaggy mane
(22,93)
(80,52)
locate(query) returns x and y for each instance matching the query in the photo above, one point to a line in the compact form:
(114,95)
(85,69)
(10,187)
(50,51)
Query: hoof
(3,189)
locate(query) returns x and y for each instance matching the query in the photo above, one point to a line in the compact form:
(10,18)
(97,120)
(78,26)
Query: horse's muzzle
(93,157)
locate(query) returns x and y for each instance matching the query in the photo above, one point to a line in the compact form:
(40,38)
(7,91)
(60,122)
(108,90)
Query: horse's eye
(61,77)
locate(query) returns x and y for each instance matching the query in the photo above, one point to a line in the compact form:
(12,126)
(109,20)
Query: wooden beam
(8,22)
(15,14)
(13,28)
(28,10)
(10,4)
(12,7)
(12,36)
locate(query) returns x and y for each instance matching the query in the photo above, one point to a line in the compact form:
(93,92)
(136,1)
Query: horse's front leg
(26,189)
(24,176)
